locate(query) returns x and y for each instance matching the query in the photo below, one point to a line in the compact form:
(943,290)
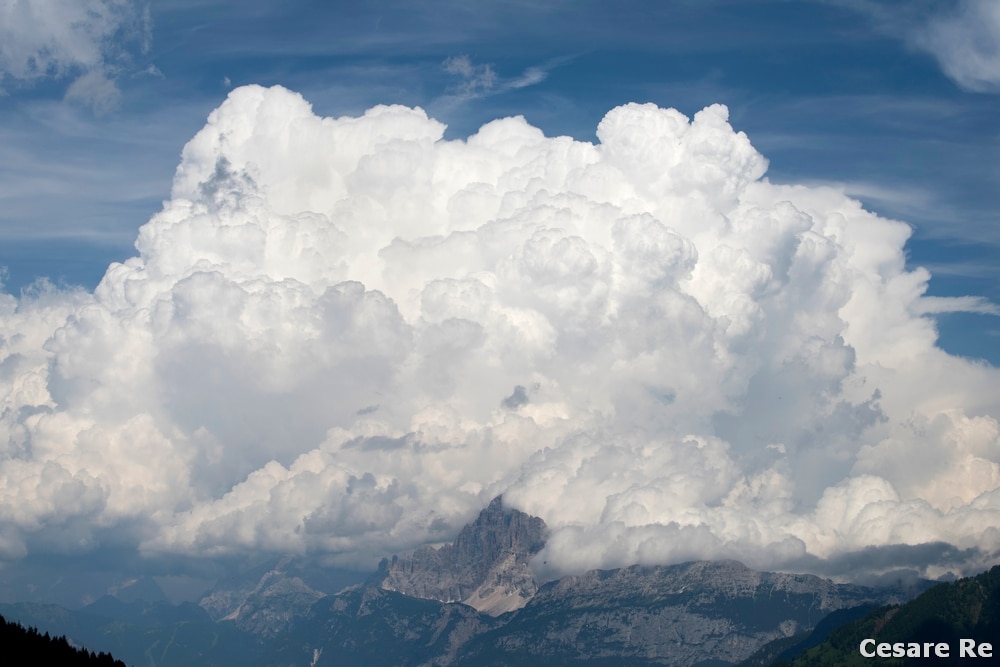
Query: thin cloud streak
(932,305)
(482,81)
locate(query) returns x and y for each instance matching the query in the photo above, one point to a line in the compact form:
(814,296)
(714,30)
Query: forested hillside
(34,647)
(967,609)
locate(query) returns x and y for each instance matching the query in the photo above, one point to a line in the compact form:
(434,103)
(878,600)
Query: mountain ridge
(287,612)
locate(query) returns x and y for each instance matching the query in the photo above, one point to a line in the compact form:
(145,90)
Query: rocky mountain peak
(486,567)
(265,599)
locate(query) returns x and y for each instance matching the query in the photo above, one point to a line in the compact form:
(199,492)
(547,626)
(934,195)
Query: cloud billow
(341,334)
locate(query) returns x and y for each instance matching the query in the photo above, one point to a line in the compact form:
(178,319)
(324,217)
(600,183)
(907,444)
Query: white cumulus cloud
(343,336)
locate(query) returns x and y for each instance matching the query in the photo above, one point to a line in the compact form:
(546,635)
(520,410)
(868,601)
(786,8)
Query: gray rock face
(266,600)
(272,609)
(689,615)
(486,567)
(373,627)
(678,615)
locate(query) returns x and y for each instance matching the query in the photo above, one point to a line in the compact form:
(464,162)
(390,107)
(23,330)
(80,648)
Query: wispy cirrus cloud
(962,35)
(481,80)
(474,78)
(934,305)
(88,40)
(966,43)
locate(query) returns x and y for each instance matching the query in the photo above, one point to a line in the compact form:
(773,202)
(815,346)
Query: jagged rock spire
(485,567)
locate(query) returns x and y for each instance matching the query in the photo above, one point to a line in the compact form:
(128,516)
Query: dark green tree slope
(27,646)
(964,609)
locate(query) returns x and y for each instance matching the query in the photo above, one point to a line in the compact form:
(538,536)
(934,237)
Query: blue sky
(868,96)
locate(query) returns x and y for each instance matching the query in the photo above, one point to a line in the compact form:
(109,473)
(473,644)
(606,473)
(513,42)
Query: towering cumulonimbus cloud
(345,336)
